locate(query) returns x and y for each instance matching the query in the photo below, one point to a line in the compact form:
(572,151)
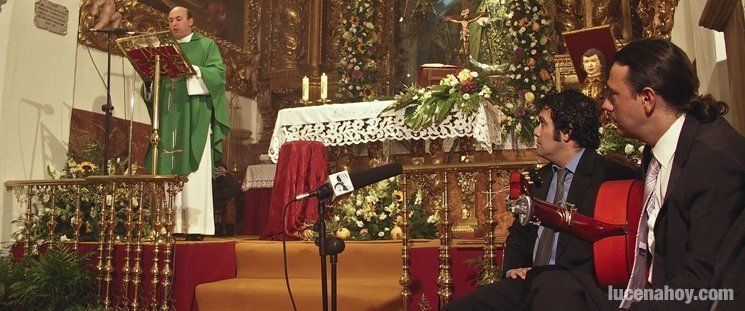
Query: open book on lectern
(141,50)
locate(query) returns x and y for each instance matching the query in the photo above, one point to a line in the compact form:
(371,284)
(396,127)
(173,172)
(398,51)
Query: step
(263,260)
(368,276)
(271,294)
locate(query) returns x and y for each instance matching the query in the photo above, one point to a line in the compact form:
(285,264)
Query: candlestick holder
(303,102)
(323,101)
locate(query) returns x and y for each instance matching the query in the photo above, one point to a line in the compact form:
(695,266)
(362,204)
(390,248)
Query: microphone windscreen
(376,174)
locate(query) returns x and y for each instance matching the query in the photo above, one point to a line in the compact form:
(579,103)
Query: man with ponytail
(695,167)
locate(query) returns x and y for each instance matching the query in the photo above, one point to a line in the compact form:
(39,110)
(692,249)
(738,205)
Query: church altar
(362,122)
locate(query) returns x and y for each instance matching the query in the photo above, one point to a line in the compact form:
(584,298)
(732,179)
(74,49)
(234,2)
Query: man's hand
(519,272)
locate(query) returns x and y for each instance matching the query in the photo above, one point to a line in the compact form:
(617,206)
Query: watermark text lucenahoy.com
(686,295)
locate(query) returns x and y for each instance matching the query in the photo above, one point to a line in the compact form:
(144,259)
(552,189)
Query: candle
(324,86)
(306,88)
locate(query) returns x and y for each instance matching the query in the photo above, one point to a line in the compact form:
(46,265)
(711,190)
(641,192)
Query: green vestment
(185,120)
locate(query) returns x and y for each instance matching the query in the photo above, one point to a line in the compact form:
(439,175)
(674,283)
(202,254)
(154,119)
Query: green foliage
(480,264)
(615,146)
(425,107)
(58,280)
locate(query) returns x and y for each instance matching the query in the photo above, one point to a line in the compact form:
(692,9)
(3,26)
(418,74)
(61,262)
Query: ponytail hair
(705,108)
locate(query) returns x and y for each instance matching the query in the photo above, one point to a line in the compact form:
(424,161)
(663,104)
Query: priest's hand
(519,272)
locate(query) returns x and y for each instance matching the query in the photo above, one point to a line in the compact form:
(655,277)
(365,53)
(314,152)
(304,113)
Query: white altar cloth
(356,123)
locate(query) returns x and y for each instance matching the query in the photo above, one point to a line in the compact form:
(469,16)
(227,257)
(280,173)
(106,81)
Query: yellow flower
(464,75)
(529,97)
(85,167)
(343,233)
(398,196)
(397,233)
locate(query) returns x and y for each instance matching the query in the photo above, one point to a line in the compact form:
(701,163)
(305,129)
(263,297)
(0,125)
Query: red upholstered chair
(301,168)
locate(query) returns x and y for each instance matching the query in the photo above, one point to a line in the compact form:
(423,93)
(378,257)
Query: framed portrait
(222,18)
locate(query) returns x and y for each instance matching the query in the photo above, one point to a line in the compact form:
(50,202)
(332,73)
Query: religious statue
(656,17)
(593,62)
(106,14)
(464,20)
(607,12)
(569,15)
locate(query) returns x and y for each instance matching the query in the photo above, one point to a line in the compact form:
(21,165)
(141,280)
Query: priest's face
(180,23)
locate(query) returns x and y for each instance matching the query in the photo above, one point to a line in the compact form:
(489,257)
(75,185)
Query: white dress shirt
(664,152)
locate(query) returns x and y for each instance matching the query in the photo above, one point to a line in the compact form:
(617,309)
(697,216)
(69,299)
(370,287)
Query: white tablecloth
(259,176)
(356,123)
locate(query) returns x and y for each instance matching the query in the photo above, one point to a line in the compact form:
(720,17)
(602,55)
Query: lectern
(154,55)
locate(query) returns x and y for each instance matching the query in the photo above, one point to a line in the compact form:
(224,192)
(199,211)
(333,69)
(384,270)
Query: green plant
(59,279)
(480,264)
(615,146)
(11,271)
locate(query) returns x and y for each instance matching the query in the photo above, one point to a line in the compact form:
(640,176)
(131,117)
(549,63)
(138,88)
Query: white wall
(4,32)
(90,91)
(37,96)
(703,45)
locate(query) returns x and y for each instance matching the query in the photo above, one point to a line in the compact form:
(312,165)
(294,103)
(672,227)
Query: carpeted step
(368,275)
(263,259)
(271,294)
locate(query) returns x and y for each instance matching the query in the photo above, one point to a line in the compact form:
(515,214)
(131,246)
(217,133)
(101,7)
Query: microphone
(117,31)
(342,182)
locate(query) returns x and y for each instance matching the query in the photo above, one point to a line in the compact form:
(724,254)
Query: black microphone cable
(284,251)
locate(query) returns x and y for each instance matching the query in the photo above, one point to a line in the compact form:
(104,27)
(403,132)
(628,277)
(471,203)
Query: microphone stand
(332,249)
(108,108)
(321,225)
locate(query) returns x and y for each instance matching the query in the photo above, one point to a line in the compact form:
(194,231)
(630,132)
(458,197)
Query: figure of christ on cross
(464,20)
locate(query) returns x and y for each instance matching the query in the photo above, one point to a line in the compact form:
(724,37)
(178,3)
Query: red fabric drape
(301,168)
(425,270)
(256,202)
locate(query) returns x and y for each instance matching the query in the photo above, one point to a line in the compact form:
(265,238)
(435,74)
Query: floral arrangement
(430,106)
(529,65)
(357,59)
(373,213)
(614,145)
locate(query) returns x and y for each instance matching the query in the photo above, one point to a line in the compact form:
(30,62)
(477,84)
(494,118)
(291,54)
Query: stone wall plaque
(51,16)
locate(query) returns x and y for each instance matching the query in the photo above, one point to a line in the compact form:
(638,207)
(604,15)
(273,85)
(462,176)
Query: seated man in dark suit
(695,166)
(546,270)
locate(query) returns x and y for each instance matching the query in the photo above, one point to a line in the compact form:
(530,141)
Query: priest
(193,121)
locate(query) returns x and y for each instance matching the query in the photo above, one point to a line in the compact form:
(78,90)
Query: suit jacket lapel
(580,182)
(687,133)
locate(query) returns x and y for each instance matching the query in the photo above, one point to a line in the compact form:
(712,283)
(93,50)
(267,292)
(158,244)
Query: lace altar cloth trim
(357,123)
(259,176)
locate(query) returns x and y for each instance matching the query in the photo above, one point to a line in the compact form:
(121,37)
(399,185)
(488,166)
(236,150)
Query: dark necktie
(546,241)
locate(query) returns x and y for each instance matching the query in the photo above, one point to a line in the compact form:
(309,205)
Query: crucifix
(464,20)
